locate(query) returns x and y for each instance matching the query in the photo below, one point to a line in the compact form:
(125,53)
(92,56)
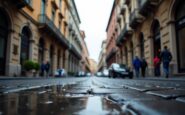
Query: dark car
(120,70)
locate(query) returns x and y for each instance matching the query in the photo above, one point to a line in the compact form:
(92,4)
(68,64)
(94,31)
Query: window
(53,15)
(43,6)
(60,5)
(141,38)
(156,38)
(25,38)
(60,25)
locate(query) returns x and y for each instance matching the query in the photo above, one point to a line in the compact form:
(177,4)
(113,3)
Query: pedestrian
(137,66)
(42,67)
(157,64)
(47,68)
(144,65)
(166,58)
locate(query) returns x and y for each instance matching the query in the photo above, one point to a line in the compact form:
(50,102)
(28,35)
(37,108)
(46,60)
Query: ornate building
(39,30)
(146,26)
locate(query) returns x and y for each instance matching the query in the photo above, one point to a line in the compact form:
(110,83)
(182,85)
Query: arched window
(180,31)
(156,38)
(141,41)
(3,40)
(25,44)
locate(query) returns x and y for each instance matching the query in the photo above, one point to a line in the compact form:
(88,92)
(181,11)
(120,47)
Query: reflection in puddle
(97,106)
(54,101)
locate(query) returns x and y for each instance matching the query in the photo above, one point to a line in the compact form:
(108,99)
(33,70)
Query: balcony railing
(47,24)
(124,33)
(147,5)
(135,18)
(20,3)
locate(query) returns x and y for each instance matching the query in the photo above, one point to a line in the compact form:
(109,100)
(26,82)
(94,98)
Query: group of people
(45,68)
(163,57)
(139,64)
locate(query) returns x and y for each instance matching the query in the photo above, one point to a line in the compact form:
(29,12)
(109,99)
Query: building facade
(146,26)
(111,48)
(85,57)
(36,30)
(74,53)
(93,66)
(102,57)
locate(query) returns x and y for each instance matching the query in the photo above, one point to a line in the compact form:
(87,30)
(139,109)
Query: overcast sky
(94,15)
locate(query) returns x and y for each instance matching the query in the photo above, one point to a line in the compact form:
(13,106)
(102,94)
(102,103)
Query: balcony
(124,33)
(20,3)
(135,19)
(146,6)
(49,27)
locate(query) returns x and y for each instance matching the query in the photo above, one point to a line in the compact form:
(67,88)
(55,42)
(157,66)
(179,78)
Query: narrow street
(92,96)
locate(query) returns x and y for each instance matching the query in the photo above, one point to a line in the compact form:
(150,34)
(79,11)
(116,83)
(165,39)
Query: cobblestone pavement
(134,96)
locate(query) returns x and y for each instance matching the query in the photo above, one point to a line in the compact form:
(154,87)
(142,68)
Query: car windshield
(116,66)
(122,66)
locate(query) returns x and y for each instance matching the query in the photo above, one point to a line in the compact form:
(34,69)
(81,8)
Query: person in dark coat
(144,65)
(42,67)
(166,57)
(47,68)
(137,66)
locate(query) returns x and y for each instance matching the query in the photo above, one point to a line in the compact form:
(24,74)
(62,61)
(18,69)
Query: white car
(105,73)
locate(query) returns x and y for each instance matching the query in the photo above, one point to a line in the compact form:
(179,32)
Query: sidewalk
(26,78)
(176,78)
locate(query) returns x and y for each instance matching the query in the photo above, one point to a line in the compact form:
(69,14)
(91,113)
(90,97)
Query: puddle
(54,100)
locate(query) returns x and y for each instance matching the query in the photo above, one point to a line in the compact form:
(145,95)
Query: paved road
(136,96)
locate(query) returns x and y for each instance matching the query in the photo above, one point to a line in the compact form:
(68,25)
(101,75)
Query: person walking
(47,68)
(137,66)
(166,58)
(157,63)
(42,67)
(144,65)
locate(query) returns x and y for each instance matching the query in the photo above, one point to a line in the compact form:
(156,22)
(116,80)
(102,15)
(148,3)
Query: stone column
(150,56)
(66,60)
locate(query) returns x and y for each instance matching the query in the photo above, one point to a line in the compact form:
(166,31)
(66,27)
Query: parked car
(120,70)
(60,73)
(80,74)
(98,74)
(88,74)
(105,73)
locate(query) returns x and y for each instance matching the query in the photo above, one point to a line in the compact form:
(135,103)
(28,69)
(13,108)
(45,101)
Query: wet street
(91,96)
